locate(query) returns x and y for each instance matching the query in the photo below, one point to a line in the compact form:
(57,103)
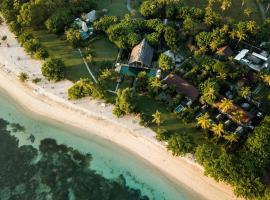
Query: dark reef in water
(54,172)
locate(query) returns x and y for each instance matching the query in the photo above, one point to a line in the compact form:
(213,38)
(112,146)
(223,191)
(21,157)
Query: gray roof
(92,16)
(142,54)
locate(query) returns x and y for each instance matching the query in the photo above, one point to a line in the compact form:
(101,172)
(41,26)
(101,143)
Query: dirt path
(129,5)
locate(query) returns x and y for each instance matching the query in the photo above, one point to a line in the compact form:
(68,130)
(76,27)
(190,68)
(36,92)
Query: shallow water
(108,159)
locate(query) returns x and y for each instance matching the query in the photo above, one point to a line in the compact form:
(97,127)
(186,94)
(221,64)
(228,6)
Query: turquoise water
(109,160)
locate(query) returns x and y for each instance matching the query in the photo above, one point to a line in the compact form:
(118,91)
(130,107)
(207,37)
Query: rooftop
(254,60)
(142,55)
(182,86)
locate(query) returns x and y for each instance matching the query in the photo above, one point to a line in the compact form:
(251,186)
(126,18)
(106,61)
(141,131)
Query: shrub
(74,37)
(4,37)
(31,46)
(25,36)
(1,21)
(36,80)
(54,69)
(23,76)
(181,144)
(162,134)
(82,88)
(125,102)
(41,53)
(85,88)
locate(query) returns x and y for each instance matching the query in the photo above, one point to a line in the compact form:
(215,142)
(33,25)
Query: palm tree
(248,12)
(266,79)
(225,4)
(105,74)
(210,93)
(218,129)
(238,34)
(251,25)
(226,105)
(231,138)
(155,85)
(204,121)
(245,92)
(237,116)
(156,118)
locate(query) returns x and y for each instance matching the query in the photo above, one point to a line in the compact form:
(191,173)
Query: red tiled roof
(182,86)
(246,118)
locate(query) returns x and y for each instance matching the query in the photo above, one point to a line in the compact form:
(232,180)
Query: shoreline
(91,117)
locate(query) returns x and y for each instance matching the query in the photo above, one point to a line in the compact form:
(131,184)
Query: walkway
(87,66)
(129,5)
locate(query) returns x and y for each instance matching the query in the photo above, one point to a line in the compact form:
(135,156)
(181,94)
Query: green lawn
(149,106)
(236,11)
(104,50)
(59,48)
(115,7)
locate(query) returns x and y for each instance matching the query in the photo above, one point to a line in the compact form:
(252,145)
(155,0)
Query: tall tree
(204,121)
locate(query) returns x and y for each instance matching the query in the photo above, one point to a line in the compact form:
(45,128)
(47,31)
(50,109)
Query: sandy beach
(49,100)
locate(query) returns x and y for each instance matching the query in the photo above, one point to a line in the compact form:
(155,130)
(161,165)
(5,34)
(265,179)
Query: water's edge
(160,186)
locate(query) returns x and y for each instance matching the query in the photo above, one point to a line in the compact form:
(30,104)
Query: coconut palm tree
(237,116)
(266,79)
(225,4)
(251,26)
(156,118)
(225,105)
(245,92)
(204,121)
(248,12)
(218,129)
(155,85)
(210,93)
(231,138)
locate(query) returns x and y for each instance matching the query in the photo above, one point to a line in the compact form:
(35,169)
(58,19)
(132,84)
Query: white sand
(50,100)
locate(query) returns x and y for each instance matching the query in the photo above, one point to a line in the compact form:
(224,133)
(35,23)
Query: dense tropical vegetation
(212,126)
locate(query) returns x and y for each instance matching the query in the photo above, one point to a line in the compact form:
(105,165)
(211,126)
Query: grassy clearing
(104,50)
(236,11)
(59,48)
(170,122)
(115,7)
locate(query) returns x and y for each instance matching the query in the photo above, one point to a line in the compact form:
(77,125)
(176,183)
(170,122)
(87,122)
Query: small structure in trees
(85,31)
(91,16)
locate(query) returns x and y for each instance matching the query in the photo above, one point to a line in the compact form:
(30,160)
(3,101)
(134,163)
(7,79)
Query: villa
(140,60)
(141,55)
(254,60)
(182,86)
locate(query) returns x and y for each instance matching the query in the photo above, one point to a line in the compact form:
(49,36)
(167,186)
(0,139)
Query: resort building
(254,60)
(141,55)
(182,86)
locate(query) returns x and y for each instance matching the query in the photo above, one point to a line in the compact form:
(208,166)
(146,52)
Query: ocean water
(108,160)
